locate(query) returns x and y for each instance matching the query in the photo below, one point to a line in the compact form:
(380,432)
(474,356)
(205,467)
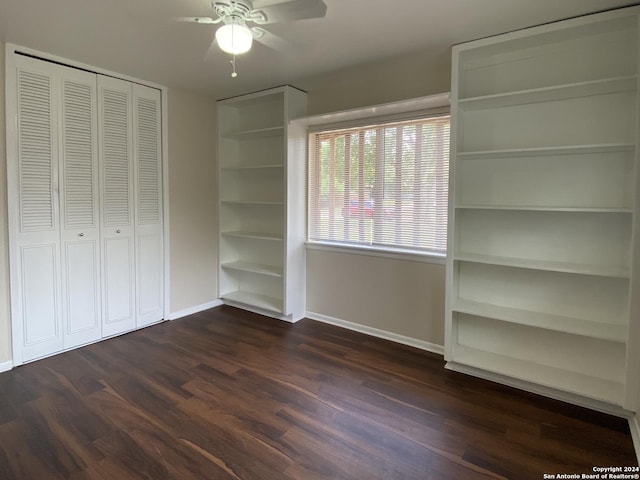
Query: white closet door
(35,260)
(80,237)
(116,179)
(148,182)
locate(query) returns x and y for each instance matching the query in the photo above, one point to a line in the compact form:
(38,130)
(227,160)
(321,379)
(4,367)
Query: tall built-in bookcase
(543,227)
(261,209)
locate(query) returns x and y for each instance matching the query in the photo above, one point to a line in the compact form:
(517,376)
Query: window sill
(393,253)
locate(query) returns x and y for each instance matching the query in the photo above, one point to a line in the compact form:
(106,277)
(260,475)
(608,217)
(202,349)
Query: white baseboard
(6,366)
(634,426)
(196,309)
(376,332)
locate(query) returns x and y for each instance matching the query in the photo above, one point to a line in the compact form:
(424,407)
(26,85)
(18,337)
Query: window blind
(382,185)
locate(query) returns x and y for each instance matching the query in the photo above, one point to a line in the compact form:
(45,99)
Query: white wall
(397,296)
(402,297)
(400,78)
(192,196)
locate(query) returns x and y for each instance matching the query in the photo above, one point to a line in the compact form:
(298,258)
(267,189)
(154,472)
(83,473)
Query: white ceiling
(139,38)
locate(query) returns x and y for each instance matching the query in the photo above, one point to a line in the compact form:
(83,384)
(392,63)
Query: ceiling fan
(235,37)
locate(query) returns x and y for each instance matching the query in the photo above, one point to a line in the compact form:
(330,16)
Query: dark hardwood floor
(226,394)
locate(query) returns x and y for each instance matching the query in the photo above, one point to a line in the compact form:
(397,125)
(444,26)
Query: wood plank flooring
(227,394)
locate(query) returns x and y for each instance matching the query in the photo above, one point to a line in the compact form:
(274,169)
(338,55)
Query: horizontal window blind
(382,185)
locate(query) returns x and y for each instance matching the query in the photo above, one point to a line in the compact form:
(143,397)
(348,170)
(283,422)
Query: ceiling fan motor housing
(238,8)
(232,8)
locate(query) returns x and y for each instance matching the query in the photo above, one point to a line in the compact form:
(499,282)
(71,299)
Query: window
(382,185)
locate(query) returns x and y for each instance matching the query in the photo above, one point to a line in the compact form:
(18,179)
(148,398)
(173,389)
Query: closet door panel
(82,293)
(149,289)
(36,239)
(116,160)
(118,281)
(42,325)
(148,183)
(79,208)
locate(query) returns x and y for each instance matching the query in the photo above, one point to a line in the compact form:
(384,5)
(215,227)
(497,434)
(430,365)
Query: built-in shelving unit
(543,202)
(261,216)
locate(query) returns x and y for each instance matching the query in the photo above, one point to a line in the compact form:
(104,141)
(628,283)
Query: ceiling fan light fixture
(234,38)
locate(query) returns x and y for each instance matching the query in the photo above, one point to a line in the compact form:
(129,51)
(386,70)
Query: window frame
(408,110)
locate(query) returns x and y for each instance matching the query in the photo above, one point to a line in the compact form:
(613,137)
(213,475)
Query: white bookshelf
(261,247)
(542,206)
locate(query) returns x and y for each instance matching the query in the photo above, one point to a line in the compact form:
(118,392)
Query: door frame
(11,51)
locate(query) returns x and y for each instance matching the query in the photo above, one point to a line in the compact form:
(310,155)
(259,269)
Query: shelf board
(550,94)
(558,378)
(583,269)
(254,299)
(253,268)
(546,151)
(253,167)
(250,202)
(545,208)
(587,328)
(255,133)
(253,235)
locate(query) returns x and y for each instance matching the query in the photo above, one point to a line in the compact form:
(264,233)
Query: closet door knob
(81,234)
(118,231)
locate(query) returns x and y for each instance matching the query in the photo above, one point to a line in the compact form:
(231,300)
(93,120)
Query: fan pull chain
(234,74)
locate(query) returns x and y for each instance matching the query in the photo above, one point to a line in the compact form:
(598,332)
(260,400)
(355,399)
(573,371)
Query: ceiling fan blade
(269,39)
(287,11)
(200,20)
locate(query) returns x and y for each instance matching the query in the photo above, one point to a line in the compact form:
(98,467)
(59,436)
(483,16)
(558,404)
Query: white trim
(541,390)
(382,252)
(415,107)
(195,309)
(11,125)
(634,427)
(375,332)
(6,366)
(166,241)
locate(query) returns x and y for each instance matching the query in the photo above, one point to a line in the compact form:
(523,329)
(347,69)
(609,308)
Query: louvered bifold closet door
(80,232)
(117,220)
(34,215)
(148,210)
